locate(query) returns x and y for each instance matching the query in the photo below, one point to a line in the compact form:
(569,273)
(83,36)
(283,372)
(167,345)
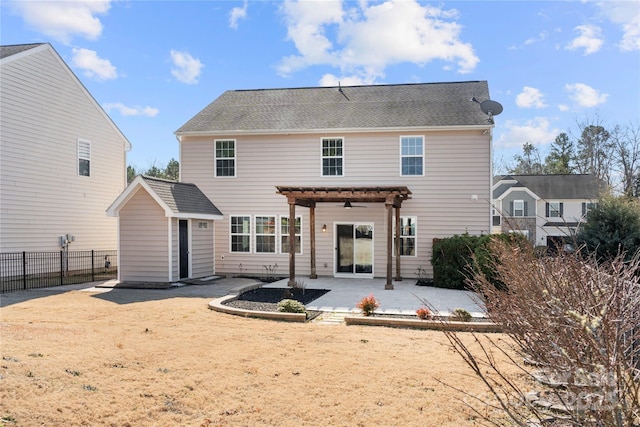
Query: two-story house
(317,181)
(62,161)
(546,208)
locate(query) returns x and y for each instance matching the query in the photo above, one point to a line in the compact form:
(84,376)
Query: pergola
(391,196)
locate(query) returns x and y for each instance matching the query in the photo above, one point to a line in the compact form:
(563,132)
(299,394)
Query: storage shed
(165,231)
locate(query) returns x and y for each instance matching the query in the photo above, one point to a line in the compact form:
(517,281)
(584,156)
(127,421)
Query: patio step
(331,318)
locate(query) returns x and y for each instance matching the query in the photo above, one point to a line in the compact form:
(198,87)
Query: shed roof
(178,199)
(553,187)
(343,107)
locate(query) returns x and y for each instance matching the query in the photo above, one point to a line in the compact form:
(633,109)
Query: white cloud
(584,95)
(563,107)
(63,20)
(530,97)
(238,13)
(130,111)
(363,39)
(626,14)
(186,68)
(332,80)
(590,39)
(93,66)
(537,131)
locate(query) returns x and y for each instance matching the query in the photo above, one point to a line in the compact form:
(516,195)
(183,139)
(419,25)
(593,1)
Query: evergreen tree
(559,159)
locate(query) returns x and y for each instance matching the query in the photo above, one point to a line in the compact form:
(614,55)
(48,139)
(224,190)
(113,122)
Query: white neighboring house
(547,209)
(62,159)
(320,178)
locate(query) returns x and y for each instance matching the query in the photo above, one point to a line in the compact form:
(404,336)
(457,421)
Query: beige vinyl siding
(44,112)
(175,249)
(457,166)
(143,240)
(202,249)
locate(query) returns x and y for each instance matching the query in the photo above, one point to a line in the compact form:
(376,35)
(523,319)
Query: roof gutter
(331,130)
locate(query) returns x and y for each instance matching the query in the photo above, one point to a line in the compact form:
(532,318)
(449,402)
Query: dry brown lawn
(78,359)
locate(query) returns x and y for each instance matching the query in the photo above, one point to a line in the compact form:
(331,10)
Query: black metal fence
(32,270)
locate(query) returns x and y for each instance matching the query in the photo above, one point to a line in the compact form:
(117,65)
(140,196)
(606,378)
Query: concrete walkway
(344,294)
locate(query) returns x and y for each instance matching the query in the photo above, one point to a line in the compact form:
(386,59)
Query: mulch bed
(267,299)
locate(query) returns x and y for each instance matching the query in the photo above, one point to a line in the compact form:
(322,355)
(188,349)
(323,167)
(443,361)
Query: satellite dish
(490,107)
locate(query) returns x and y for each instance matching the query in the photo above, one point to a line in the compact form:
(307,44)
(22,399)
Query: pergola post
(389,206)
(397,244)
(312,238)
(292,241)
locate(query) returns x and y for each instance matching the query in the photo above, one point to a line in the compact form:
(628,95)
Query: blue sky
(154,64)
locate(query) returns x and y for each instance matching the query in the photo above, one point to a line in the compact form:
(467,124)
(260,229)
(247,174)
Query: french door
(354,249)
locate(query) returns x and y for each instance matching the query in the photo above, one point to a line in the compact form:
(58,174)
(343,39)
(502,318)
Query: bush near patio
(455,259)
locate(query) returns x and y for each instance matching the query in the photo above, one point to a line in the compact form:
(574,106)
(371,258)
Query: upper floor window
(265,234)
(240,233)
(225,158)
(411,155)
(284,234)
(587,206)
(554,209)
(519,208)
(332,157)
(84,157)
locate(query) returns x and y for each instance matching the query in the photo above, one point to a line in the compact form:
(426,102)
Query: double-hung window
(408,235)
(84,157)
(240,233)
(554,209)
(225,158)
(518,208)
(412,155)
(284,234)
(265,234)
(332,157)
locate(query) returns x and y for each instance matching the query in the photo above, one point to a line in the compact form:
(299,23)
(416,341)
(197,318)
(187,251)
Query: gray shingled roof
(9,50)
(554,187)
(349,107)
(182,198)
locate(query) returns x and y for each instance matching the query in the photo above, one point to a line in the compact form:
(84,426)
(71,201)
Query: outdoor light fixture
(324,228)
(347,205)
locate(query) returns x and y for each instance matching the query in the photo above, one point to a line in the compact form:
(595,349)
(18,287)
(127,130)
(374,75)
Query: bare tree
(529,163)
(593,149)
(626,153)
(573,330)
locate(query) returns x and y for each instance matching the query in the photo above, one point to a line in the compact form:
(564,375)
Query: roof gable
(552,187)
(177,199)
(10,53)
(340,108)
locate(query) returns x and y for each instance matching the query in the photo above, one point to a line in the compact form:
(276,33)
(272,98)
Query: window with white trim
(284,234)
(518,208)
(84,157)
(411,155)
(240,234)
(225,158)
(408,235)
(332,157)
(265,234)
(554,209)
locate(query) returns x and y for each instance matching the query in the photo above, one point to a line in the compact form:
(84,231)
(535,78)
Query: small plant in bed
(291,306)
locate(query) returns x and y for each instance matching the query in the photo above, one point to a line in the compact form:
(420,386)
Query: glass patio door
(354,249)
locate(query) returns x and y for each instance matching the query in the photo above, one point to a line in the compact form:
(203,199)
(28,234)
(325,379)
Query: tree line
(611,154)
(171,171)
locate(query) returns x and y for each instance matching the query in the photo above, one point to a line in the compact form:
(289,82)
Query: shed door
(184,248)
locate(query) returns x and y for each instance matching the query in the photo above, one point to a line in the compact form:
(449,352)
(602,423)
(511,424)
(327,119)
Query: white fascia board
(525,189)
(187,215)
(331,130)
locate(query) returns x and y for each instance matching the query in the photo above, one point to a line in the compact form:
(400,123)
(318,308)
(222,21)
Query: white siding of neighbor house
(457,166)
(143,251)
(45,110)
(202,248)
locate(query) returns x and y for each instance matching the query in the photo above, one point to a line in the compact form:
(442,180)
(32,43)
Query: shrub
(291,306)
(461,315)
(368,305)
(577,320)
(424,313)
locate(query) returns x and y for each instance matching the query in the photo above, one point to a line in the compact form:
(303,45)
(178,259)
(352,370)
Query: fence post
(61,269)
(24,270)
(93,270)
